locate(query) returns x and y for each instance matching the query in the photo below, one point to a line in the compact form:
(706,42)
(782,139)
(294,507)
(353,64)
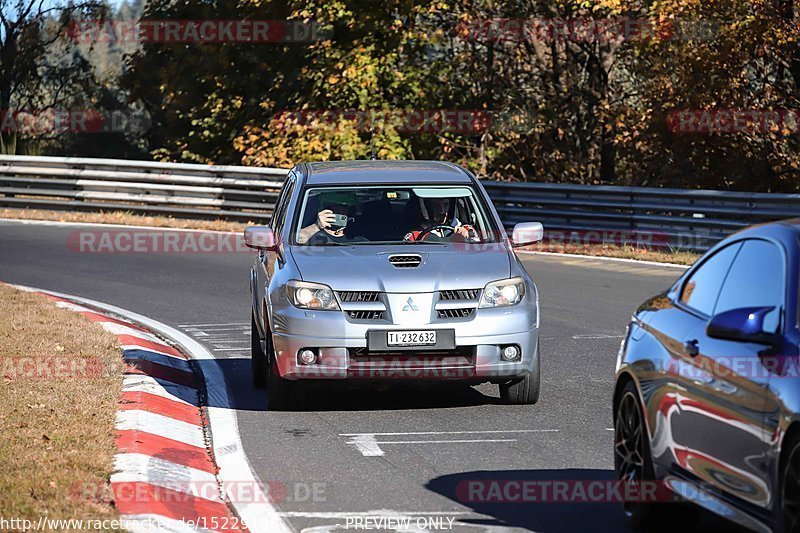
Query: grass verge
(60,381)
(124,217)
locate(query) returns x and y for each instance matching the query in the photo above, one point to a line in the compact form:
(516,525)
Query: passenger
(331,221)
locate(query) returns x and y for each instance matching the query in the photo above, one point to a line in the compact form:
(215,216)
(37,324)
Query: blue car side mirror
(745,325)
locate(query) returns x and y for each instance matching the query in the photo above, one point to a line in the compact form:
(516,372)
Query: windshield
(413,215)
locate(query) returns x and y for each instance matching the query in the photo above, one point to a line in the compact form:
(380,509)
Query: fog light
(510,353)
(307,357)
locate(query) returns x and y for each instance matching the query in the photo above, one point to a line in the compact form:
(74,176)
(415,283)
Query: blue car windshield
(393,215)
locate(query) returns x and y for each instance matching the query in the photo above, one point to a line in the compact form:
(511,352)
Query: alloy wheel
(629,443)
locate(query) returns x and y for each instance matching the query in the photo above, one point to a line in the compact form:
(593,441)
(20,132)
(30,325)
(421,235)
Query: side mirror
(527,233)
(744,325)
(260,238)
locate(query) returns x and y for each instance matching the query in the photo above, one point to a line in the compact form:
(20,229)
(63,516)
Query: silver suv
(391,270)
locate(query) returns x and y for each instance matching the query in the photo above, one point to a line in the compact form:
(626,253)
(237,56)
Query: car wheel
(632,461)
(524,391)
(634,464)
(790,488)
(258,367)
(279,390)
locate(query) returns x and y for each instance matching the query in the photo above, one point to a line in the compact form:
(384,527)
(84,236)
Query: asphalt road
(432,440)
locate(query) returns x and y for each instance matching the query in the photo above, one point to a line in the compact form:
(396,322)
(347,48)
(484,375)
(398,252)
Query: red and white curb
(180,465)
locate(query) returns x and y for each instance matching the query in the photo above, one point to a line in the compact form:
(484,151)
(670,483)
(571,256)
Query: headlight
(503,292)
(307,295)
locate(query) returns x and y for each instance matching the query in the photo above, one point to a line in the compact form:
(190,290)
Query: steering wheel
(427,231)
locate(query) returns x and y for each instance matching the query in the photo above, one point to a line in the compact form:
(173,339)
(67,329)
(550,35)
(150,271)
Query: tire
(660,516)
(524,391)
(789,477)
(258,366)
(630,441)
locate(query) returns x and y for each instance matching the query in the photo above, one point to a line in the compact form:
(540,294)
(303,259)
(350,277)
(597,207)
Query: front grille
(465,294)
(405,261)
(365,315)
(454,313)
(359,296)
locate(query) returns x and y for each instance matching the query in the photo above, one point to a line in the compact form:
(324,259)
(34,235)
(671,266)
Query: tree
(39,68)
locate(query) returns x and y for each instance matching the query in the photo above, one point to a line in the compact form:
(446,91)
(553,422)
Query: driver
(438,210)
(331,220)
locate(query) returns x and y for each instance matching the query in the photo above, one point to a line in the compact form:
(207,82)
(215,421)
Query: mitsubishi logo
(410,305)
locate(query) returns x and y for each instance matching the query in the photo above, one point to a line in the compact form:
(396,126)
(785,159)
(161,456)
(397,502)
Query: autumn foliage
(680,93)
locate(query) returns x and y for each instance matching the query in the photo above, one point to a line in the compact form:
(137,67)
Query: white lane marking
(163,426)
(367,445)
(119,329)
(441,441)
(609,429)
(450,432)
(597,336)
(242,324)
(137,467)
(220,330)
(165,389)
(72,307)
(603,258)
(101,225)
(380,512)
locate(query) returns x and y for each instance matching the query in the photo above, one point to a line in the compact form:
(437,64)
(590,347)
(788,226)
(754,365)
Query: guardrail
(177,189)
(675,218)
(645,216)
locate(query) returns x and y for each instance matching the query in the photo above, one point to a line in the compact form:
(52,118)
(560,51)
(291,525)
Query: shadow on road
(337,396)
(556,517)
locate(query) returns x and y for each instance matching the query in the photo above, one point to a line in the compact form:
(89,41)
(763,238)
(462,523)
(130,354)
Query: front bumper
(341,345)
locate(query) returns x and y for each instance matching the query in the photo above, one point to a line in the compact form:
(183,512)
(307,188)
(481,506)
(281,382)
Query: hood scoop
(405,260)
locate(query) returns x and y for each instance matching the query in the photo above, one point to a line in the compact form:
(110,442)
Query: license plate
(410,338)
